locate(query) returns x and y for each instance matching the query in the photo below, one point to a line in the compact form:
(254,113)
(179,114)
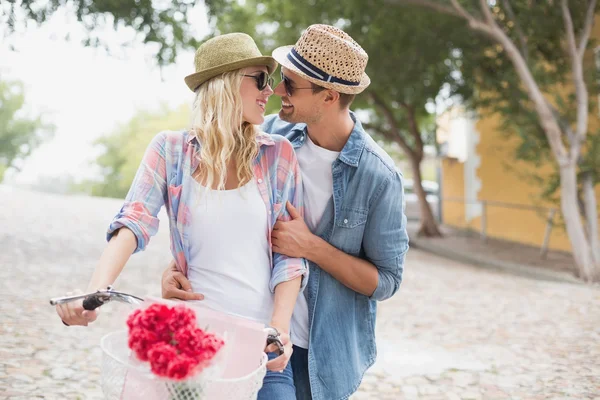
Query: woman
(224,184)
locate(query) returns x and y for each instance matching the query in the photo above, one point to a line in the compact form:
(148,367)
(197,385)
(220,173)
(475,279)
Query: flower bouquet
(178,351)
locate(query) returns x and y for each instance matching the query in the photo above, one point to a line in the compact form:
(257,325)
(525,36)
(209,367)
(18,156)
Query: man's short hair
(345,98)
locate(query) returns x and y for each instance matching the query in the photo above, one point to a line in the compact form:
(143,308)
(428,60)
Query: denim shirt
(365,219)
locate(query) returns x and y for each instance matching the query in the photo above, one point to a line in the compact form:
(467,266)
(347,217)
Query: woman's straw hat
(226,53)
(328,57)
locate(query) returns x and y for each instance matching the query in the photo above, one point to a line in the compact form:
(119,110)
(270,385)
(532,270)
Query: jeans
(299,363)
(278,385)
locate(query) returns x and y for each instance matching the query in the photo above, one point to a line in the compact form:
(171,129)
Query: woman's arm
(283,307)
(113,259)
(130,230)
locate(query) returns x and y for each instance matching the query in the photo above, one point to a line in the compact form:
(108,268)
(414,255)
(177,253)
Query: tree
(19,133)
(166,24)
(408,63)
(566,133)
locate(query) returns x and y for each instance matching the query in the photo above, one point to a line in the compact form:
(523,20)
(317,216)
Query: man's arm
(385,244)
(176,286)
(294,239)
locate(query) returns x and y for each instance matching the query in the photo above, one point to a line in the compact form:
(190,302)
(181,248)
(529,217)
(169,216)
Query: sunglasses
(289,88)
(262,80)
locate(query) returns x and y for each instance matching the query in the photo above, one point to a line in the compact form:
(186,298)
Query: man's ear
(332,96)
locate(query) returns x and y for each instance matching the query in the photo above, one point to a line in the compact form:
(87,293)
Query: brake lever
(273,337)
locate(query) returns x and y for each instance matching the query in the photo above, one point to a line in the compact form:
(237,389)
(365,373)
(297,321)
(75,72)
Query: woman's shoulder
(172,142)
(277,142)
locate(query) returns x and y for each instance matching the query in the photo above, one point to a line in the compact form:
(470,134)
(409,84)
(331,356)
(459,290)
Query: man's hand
(278,364)
(292,238)
(175,285)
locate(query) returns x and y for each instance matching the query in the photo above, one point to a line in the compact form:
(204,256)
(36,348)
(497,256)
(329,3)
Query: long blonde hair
(218,123)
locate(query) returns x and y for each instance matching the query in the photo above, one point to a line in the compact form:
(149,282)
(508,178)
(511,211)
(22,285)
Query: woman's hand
(73,313)
(278,364)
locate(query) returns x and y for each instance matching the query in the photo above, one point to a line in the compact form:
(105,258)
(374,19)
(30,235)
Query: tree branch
(425,3)
(414,130)
(564,125)
(520,34)
(568,21)
(547,120)
(485,9)
(581,93)
(389,116)
(587,27)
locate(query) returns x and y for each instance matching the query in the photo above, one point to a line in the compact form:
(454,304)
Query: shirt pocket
(350,229)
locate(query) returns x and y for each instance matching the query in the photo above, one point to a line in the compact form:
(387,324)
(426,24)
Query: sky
(86,92)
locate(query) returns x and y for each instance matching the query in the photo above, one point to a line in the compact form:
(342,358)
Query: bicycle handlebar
(91,301)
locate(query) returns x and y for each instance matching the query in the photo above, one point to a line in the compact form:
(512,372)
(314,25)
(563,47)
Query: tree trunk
(591,217)
(582,250)
(429,226)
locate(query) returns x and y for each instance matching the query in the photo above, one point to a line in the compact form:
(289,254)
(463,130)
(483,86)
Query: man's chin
(287,117)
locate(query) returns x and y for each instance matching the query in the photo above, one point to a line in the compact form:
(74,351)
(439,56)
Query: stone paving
(452,332)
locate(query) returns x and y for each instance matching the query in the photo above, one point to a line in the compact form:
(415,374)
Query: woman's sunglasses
(262,80)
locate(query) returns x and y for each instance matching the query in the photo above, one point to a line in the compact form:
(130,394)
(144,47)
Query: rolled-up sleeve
(289,182)
(146,196)
(386,239)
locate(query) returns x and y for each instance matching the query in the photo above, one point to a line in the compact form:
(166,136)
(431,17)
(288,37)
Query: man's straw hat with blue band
(328,57)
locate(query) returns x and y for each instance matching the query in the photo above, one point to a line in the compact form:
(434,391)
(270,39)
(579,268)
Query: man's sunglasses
(289,88)
(262,80)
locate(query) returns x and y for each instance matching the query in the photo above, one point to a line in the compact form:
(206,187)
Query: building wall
(482,166)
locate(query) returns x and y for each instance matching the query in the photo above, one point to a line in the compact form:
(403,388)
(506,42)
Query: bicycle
(124,378)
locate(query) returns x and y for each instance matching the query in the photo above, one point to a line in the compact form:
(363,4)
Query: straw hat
(328,57)
(226,53)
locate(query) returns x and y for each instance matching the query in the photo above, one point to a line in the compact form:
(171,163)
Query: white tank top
(229,251)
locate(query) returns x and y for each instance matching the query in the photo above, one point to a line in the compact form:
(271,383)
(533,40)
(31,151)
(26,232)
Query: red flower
(181,367)
(211,345)
(140,341)
(189,341)
(160,355)
(155,318)
(133,319)
(181,316)
(169,339)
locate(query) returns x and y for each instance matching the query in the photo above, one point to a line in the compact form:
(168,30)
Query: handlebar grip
(92,302)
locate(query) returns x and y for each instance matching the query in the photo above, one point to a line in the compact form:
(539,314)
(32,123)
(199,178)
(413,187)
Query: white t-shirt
(315,166)
(229,251)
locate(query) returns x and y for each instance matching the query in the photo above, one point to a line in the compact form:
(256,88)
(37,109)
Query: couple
(250,213)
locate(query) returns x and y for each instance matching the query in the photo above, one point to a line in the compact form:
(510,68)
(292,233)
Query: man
(354,232)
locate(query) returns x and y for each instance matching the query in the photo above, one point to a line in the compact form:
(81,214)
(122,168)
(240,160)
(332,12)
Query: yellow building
(483,187)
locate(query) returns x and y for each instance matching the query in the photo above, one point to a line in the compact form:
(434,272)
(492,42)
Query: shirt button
(260,181)
(345,221)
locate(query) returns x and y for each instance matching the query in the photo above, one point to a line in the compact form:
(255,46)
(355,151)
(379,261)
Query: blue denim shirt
(365,219)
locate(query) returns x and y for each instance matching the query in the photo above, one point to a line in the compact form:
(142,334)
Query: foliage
(124,148)
(165,24)
(19,133)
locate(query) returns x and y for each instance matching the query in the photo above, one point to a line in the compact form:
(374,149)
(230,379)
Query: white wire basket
(125,378)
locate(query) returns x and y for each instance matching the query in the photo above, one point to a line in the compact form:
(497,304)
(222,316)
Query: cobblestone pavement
(452,332)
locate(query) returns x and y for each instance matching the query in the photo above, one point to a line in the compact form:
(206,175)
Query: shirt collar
(353,148)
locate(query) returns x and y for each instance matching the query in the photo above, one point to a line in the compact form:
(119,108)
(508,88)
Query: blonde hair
(218,124)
